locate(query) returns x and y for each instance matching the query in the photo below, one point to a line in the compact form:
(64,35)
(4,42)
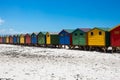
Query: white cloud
(1,21)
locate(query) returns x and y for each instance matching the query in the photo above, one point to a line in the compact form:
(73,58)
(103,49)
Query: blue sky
(17,16)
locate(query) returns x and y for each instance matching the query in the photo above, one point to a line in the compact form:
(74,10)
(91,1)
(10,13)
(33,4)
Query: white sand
(33,63)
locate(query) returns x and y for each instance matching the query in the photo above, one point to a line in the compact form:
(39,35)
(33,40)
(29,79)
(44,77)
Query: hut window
(61,34)
(47,35)
(34,36)
(91,33)
(100,33)
(81,34)
(116,32)
(75,34)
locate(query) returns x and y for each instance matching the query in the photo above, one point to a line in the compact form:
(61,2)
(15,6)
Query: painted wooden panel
(54,39)
(115,36)
(41,38)
(48,38)
(27,39)
(7,39)
(0,39)
(18,39)
(3,40)
(96,37)
(34,38)
(15,39)
(79,37)
(67,38)
(11,39)
(22,39)
(64,38)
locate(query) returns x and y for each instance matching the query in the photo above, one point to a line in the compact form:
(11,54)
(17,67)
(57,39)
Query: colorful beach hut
(34,38)
(14,39)
(65,37)
(3,40)
(11,39)
(18,39)
(115,36)
(7,39)
(22,39)
(41,38)
(99,37)
(52,38)
(0,39)
(27,39)
(79,37)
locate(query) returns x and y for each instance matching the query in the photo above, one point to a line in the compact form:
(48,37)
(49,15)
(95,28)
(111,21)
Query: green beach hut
(79,37)
(41,38)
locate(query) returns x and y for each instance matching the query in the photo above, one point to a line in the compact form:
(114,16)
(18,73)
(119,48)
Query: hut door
(67,39)
(62,38)
(48,39)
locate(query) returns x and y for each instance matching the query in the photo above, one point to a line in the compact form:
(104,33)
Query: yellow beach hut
(98,37)
(52,38)
(7,39)
(48,38)
(22,39)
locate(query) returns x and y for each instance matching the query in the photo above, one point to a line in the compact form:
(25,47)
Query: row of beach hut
(96,37)
(41,38)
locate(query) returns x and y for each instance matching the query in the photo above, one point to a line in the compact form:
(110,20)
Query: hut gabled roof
(36,33)
(100,28)
(82,29)
(114,27)
(104,29)
(69,30)
(14,35)
(21,35)
(28,34)
(42,33)
(53,33)
(85,29)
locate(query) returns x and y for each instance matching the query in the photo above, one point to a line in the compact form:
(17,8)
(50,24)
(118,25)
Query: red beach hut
(0,39)
(115,36)
(11,39)
(27,39)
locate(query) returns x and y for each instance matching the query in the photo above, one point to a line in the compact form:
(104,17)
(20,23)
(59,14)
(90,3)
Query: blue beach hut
(3,40)
(65,37)
(14,39)
(34,38)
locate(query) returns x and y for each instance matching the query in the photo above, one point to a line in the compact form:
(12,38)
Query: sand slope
(33,63)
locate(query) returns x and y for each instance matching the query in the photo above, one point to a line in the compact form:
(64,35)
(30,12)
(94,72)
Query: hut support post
(113,49)
(90,48)
(84,47)
(105,49)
